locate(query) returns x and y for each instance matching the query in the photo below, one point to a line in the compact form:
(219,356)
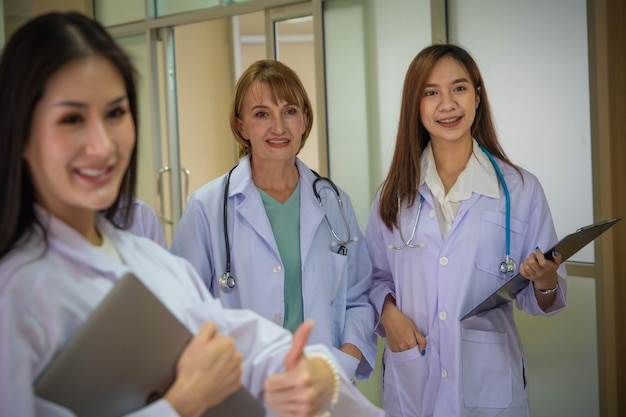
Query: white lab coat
(475,367)
(334,287)
(46,294)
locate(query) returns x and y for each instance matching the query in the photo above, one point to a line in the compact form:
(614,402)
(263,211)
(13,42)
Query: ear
(242,129)
(477,96)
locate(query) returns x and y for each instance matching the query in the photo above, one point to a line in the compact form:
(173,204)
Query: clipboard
(567,247)
(124,357)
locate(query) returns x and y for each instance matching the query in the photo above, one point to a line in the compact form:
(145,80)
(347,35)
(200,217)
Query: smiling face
(274,129)
(81,139)
(448,103)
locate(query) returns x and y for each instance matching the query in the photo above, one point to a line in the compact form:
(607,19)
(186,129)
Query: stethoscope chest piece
(508,267)
(227,282)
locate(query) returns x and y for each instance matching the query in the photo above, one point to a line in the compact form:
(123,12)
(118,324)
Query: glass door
(199,64)
(293,39)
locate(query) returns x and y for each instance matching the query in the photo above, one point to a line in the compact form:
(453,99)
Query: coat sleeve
(382,280)
(192,240)
(21,343)
(360,316)
(264,345)
(146,223)
(541,233)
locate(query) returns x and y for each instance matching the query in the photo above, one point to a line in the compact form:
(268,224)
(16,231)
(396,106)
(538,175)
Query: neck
(277,180)
(84,222)
(451,159)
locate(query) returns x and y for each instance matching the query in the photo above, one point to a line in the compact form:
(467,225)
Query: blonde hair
(284,85)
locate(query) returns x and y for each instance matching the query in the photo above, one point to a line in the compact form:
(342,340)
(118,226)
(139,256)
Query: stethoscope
(508,266)
(228,281)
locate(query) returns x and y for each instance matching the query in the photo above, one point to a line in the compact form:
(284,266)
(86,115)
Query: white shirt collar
(479,176)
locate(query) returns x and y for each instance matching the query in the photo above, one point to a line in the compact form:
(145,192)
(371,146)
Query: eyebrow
(81,105)
(457,81)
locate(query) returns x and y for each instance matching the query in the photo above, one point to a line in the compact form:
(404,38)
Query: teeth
(92,172)
(278,142)
(448,121)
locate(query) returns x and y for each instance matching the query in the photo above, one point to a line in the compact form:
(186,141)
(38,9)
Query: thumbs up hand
(307,384)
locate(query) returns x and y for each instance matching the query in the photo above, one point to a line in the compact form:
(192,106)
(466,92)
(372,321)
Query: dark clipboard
(123,357)
(567,247)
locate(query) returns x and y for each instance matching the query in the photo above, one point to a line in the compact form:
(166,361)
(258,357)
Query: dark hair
(284,84)
(412,138)
(35,52)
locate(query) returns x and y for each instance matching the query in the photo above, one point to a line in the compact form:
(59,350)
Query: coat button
(278,269)
(443,261)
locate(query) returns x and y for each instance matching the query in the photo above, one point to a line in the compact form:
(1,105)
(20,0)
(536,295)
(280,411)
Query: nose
(447,101)
(278,125)
(99,139)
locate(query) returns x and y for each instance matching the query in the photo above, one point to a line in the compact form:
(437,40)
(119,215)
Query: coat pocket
(416,380)
(491,250)
(487,375)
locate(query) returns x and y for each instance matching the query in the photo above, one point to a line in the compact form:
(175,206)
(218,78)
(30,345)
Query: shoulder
(519,175)
(143,211)
(24,276)
(30,253)
(311,178)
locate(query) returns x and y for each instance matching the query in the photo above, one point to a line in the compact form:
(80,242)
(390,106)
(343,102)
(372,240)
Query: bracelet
(548,291)
(334,399)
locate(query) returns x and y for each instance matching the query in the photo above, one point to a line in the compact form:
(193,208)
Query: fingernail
(554,253)
(423,352)
(536,247)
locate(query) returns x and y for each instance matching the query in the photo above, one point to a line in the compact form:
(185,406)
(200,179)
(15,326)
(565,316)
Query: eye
(291,111)
(459,88)
(117,113)
(260,114)
(71,119)
(429,93)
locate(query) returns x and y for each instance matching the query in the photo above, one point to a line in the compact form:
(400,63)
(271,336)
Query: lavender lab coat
(475,367)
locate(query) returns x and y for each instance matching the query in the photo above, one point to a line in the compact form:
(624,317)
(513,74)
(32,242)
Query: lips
(94,173)
(450,121)
(277,141)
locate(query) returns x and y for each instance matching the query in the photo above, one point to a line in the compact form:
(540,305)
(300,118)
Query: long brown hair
(412,138)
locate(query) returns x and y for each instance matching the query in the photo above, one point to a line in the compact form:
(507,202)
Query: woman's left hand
(307,384)
(540,270)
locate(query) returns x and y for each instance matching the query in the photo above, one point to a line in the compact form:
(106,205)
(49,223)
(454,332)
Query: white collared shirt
(479,176)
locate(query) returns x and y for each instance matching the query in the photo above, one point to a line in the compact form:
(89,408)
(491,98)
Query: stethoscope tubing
(507,267)
(228,282)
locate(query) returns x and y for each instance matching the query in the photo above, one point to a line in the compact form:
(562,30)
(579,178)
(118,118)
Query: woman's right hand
(208,371)
(402,334)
